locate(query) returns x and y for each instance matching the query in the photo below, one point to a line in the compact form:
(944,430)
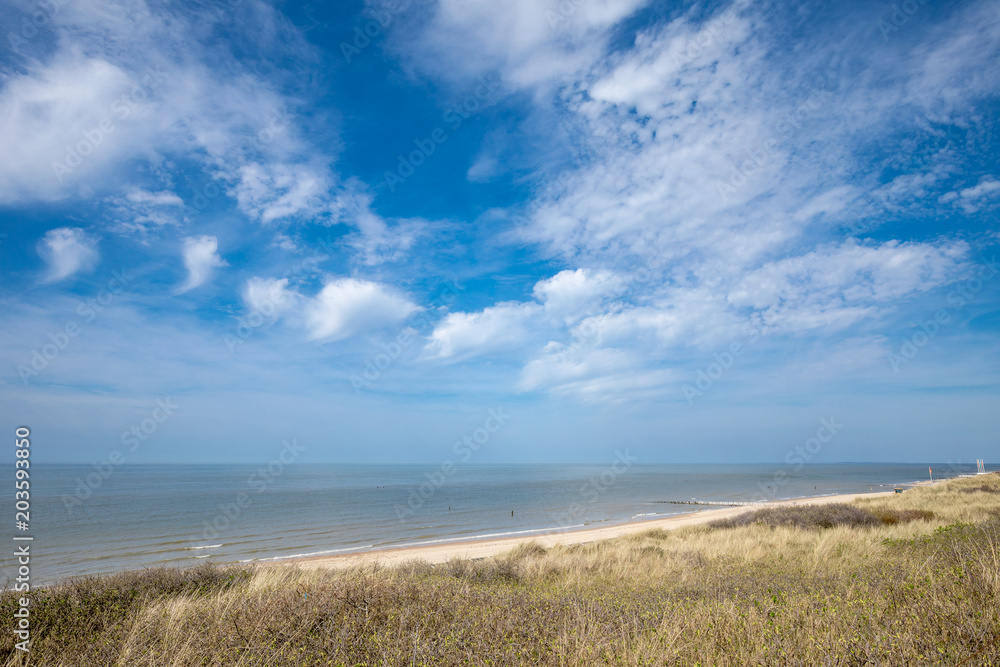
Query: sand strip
(442,553)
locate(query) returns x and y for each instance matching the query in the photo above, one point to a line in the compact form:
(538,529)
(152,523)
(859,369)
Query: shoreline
(480,548)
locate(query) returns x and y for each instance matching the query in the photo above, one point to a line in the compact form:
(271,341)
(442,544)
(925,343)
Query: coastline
(476,549)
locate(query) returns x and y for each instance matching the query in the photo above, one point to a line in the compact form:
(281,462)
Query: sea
(90,520)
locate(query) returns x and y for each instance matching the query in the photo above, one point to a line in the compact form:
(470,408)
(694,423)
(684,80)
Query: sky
(696,232)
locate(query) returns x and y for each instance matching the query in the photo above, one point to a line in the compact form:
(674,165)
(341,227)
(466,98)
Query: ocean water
(86,522)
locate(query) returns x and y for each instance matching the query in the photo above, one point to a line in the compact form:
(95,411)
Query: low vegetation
(900,580)
(824,516)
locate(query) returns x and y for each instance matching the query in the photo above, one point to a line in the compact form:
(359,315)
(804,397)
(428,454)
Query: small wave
(482,536)
(307,555)
(204,546)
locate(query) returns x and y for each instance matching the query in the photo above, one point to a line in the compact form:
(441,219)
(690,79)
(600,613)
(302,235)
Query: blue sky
(692,230)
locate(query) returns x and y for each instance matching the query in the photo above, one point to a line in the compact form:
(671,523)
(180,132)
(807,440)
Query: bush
(823,516)
(804,516)
(892,517)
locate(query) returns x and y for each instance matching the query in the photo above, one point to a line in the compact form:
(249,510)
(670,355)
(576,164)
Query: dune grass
(901,580)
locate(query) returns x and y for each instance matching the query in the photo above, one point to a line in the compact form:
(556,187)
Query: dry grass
(919,588)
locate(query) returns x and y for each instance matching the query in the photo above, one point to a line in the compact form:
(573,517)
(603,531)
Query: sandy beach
(441,553)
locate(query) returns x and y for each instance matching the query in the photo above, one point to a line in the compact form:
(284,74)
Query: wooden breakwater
(717,503)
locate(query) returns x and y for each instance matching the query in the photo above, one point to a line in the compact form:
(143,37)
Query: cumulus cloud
(561,300)
(348,306)
(571,295)
(201,257)
(51,133)
(67,250)
(461,335)
(269,296)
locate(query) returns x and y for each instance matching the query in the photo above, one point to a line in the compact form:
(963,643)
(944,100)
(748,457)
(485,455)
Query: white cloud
(67,250)
(986,187)
(201,256)
(562,300)
(131,83)
(595,375)
(972,199)
(461,335)
(52,126)
(707,156)
(483,169)
(141,212)
(348,306)
(532,41)
(269,296)
(571,295)
(164,198)
(835,286)
(274,191)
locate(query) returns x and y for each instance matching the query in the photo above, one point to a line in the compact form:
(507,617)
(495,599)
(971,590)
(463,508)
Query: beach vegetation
(908,579)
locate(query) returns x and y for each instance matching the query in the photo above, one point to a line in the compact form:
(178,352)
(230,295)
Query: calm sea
(87,521)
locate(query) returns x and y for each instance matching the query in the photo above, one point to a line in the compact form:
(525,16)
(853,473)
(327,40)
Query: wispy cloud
(708,161)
